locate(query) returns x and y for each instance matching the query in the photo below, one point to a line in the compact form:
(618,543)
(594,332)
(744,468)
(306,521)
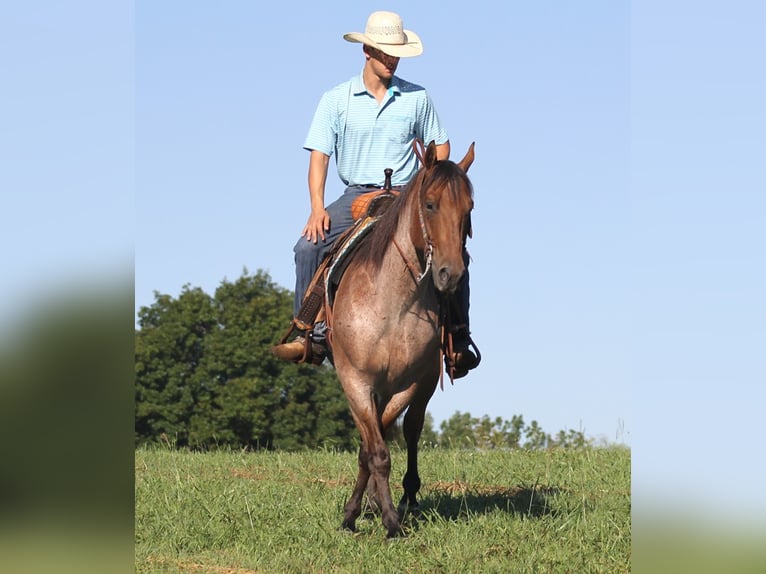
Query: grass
(492,511)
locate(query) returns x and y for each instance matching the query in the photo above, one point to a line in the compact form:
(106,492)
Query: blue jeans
(309,255)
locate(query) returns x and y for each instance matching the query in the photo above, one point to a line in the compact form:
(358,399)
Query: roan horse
(385,334)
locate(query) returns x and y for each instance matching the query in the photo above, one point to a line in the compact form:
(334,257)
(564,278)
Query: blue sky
(618,267)
(698,185)
(224,97)
(66,147)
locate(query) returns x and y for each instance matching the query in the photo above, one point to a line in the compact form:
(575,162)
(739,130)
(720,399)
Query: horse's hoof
(349,527)
(405,508)
(395,533)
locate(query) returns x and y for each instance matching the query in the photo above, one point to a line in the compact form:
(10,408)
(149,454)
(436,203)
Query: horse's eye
(430,206)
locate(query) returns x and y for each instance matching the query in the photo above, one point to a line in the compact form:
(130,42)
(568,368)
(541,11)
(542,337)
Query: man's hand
(318,223)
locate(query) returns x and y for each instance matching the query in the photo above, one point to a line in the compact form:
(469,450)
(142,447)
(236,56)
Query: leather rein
(417,274)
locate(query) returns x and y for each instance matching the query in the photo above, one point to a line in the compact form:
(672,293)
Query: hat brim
(412,48)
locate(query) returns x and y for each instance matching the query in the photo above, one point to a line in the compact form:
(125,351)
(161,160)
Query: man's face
(383,64)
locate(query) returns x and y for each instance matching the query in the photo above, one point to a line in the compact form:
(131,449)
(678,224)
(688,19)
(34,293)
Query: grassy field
(492,511)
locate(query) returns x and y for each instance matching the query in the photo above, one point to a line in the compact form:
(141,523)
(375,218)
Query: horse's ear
(466,162)
(430,156)
(419,148)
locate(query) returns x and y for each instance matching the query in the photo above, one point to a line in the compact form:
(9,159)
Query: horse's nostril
(444,275)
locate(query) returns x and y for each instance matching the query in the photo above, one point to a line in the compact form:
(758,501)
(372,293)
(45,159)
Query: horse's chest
(392,339)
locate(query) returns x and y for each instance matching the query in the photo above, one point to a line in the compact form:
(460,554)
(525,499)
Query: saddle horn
(388,173)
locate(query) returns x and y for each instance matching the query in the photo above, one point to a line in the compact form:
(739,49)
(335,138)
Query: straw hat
(385,32)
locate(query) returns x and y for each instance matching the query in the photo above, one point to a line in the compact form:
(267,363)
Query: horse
(385,334)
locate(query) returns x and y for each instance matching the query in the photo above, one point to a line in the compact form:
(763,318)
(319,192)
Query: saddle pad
(341,256)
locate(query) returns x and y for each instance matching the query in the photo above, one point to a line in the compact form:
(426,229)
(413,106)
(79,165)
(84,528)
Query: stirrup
(313,352)
(455,371)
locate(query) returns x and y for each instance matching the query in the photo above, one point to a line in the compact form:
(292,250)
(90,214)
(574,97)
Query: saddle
(320,295)
(373,203)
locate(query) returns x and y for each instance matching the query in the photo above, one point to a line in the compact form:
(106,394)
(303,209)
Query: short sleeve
(324,126)
(430,128)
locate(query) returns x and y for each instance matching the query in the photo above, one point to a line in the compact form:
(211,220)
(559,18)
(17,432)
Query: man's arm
(319,219)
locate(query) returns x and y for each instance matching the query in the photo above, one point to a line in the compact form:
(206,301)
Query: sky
(223,104)
(617,271)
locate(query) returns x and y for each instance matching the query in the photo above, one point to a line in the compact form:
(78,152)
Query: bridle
(429,246)
(428,252)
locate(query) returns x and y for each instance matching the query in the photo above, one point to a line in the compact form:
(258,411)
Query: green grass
(492,511)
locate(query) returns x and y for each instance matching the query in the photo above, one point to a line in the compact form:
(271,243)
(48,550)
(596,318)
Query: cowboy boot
(301,350)
(463,358)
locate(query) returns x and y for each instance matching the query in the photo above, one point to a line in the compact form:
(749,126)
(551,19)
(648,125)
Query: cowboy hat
(385,32)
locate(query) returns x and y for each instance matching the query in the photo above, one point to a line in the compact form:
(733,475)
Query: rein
(420,151)
(429,249)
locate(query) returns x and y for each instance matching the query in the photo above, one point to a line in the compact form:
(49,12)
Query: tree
(205,376)
(571,439)
(537,438)
(513,430)
(429,437)
(169,350)
(457,431)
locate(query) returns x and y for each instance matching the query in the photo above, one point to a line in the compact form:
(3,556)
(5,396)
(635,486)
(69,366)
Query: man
(370,123)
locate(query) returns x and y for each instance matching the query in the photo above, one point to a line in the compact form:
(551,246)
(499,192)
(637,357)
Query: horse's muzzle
(446,279)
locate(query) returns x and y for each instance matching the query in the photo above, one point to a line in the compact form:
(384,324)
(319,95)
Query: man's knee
(307,250)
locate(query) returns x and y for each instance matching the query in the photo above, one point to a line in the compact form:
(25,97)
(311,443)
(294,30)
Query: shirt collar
(357,86)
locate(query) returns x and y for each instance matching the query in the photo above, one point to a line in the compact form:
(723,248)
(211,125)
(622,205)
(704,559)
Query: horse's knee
(363,460)
(380,461)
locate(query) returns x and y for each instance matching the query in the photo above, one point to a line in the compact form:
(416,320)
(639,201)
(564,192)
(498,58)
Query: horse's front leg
(380,470)
(374,464)
(413,426)
(412,429)
(353,507)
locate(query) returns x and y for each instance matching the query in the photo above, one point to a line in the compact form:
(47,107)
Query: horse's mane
(372,250)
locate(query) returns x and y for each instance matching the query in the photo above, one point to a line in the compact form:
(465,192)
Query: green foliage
(205,376)
(462,430)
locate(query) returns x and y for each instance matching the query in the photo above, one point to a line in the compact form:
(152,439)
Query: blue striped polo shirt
(367,137)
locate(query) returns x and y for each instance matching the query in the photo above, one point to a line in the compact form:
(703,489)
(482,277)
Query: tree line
(204,378)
